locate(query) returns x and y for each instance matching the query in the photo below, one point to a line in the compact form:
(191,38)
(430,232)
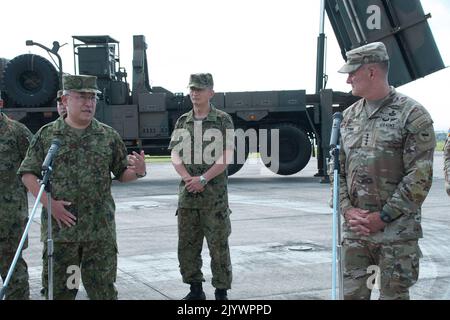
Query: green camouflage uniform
(447,162)
(81,175)
(386,164)
(205,214)
(14,141)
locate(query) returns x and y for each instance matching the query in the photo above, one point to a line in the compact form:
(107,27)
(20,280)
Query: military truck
(145,116)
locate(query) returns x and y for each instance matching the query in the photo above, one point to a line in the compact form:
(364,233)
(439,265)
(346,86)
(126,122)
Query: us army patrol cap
(80,83)
(370,53)
(201,81)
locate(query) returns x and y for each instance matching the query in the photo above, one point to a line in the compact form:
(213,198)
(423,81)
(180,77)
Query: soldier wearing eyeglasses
(82,205)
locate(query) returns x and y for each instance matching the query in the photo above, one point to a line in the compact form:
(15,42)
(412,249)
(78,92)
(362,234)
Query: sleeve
(34,157)
(23,141)
(344,199)
(447,158)
(228,131)
(119,161)
(176,134)
(418,153)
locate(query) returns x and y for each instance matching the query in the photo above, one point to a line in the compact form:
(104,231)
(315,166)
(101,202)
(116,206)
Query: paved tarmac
(280,243)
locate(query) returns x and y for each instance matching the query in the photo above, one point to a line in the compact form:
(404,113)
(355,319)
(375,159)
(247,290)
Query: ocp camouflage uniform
(14,141)
(447,162)
(204,214)
(386,164)
(81,175)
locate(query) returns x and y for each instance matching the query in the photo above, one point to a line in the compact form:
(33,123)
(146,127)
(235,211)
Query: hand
(60,213)
(136,162)
(354,213)
(357,220)
(365,223)
(375,223)
(447,187)
(193,185)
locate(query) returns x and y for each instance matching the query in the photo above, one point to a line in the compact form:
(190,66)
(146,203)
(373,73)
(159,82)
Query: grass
(157,159)
(166,159)
(440,145)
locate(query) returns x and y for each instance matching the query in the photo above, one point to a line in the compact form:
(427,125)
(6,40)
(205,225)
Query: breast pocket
(388,135)
(99,161)
(64,176)
(350,138)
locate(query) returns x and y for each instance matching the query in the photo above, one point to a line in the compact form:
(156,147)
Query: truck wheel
(294,150)
(30,80)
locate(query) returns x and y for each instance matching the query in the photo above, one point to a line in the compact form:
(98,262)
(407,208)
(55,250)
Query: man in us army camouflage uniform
(447,163)
(386,158)
(203,197)
(82,205)
(14,141)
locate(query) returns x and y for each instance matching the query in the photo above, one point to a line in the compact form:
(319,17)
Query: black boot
(221,294)
(196,292)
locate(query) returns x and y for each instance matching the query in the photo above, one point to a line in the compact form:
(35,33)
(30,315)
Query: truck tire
(30,80)
(294,150)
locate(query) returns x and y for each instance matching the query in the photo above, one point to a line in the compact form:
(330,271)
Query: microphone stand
(45,185)
(48,188)
(337,247)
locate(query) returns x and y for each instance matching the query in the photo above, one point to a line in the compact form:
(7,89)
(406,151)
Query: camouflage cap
(80,83)
(370,53)
(201,80)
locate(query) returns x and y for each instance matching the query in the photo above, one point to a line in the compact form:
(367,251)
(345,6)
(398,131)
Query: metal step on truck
(301,123)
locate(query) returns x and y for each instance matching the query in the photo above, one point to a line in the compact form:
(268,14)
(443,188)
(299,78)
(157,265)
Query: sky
(248,45)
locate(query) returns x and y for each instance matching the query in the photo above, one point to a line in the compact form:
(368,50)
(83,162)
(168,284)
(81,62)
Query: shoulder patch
(418,120)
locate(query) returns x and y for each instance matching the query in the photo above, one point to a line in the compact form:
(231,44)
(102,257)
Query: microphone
(334,140)
(54,148)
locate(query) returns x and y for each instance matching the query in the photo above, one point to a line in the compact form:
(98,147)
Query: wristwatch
(203,180)
(140,175)
(385,217)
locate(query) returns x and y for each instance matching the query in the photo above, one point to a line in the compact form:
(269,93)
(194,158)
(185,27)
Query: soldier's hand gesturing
(136,162)
(60,213)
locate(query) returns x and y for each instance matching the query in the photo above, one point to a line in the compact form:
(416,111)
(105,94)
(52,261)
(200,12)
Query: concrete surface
(280,244)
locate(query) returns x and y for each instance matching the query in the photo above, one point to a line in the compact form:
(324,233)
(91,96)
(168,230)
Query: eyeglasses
(85,98)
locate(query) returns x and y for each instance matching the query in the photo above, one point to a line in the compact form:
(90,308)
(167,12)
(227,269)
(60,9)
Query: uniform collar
(386,101)
(61,127)
(212,115)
